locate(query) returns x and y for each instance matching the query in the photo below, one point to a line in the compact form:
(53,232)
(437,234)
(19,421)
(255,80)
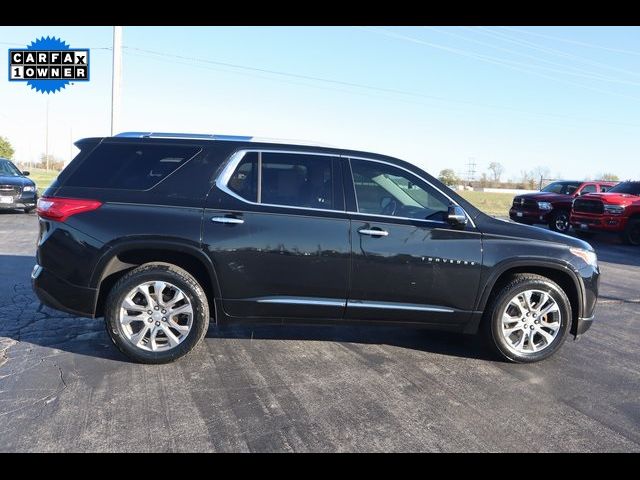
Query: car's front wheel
(527,319)
(560,221)
(631,234)
(156,313)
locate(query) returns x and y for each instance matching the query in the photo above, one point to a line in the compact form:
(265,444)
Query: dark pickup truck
(552,205)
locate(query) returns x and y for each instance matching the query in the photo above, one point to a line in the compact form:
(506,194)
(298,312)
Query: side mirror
(456,217)
(26,173)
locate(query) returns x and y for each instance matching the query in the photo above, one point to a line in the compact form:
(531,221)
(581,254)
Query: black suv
(16,190)
(159,233)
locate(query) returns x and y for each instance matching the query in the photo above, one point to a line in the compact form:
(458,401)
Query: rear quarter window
(129,167)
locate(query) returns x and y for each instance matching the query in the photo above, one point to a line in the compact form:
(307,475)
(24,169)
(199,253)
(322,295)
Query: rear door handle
(373,232)
(232,220)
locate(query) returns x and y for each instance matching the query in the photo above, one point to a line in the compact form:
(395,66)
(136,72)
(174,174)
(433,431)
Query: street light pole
(46,137)
(116,77)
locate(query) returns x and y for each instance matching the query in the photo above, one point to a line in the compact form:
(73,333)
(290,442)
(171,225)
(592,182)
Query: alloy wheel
(530,322)
(156,316)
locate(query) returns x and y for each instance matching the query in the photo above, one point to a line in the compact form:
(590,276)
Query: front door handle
(232,220)
(374,232)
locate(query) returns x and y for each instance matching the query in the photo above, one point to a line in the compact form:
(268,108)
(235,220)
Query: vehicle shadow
(24,319)
(421,339)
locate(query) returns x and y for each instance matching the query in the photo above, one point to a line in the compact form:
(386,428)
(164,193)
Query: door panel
(417,272)
(408,264)
(280,260)
(280,264)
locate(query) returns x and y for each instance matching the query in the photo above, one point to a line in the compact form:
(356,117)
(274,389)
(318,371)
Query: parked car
(16,190)
(160,232)
(552,205)
(617,211)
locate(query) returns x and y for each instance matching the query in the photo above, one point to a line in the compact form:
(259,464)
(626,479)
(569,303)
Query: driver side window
(383,189)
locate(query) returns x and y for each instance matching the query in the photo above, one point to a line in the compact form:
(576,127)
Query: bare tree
(496,170)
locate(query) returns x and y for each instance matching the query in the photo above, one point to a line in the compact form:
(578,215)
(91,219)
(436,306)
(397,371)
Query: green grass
(490,203)
(42,177)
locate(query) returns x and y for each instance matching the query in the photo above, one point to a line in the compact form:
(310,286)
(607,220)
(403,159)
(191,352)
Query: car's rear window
(129,167)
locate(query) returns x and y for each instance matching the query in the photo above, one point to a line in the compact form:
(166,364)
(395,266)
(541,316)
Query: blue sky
(563,98)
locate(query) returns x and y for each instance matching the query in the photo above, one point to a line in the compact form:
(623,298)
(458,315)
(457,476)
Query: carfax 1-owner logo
(48,65)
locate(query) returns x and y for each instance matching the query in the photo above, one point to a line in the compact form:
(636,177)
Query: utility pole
(471,170)
(46,137)
(116,78)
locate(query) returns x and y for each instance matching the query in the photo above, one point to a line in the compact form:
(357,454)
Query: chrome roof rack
(228,138)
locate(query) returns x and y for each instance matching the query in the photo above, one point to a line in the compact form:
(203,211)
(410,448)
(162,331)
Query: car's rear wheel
(631,234)
(560,221)
(156,313)
(527,319)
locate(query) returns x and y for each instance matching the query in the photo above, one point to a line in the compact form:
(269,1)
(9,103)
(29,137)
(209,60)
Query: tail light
(59,209)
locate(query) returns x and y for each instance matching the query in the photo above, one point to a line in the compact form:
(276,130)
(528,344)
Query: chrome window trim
(398,306)
(303,301)
(235,159)
(349,157)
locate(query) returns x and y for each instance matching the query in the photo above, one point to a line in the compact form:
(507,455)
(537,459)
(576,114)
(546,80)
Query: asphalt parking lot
(65,387)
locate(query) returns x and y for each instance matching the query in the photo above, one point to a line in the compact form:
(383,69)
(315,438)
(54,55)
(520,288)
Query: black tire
(492,321)
(152,272)
(631,234)
(29,210)
(559,222)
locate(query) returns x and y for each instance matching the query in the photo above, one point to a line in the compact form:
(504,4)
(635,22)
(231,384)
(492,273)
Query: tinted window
(129,167)
(244,180)
(7,168)
(566,188)
(588,189)
(604,188)
(632,188)
(386,190)
(297,180)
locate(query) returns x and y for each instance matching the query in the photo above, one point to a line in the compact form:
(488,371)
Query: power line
(574,42)
(579,71)
(495,61)
(189,60)
(559,53)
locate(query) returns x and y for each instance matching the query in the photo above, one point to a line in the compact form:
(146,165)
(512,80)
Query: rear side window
(588,189)
(129,167)
(284,179)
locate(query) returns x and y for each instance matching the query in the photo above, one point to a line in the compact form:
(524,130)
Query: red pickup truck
(616,211)
(552,205)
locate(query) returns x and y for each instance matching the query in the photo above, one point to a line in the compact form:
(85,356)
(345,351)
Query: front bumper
(62,295)
(531,216)
(600,223)
(21,201)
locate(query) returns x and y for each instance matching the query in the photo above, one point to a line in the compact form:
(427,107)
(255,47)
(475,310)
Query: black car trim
(101,270)
(509,264)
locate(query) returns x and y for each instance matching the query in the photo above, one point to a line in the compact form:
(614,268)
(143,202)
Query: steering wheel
(390,208)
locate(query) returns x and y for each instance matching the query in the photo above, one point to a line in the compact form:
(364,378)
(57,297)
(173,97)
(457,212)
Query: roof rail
(196,136)
(228,138)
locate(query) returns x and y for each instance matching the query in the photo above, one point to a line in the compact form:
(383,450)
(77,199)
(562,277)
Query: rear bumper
(600,223)
(62,295)
(531,216)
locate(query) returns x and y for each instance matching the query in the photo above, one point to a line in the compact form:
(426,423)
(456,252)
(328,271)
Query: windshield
(632,188)
(8,169)
(566,188)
